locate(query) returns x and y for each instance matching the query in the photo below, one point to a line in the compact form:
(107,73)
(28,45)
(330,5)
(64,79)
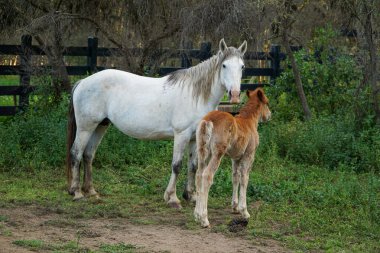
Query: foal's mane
(251,108)
(201,77)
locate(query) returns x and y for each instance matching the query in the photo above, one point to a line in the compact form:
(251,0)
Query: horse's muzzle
(234,97)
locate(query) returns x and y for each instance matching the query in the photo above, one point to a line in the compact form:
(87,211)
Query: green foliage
(329,77)
(328,141)
(33,140)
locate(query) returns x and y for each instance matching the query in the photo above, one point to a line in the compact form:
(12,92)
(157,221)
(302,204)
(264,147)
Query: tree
(282,27)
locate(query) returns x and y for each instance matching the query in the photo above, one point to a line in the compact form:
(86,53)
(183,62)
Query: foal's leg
(76,152)
(88,157)
(235,185)
(189,193)
(245,168)
(180,142)
(203,189)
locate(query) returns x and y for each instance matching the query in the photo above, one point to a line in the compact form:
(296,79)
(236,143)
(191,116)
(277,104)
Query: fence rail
(26,50)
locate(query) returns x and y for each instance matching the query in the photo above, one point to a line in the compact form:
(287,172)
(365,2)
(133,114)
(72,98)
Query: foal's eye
(224,65)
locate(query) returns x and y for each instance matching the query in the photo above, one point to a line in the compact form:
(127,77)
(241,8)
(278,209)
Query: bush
(326,141)
(329,77)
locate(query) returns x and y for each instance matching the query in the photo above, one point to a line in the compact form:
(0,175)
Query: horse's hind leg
(235,185)
(88,157)
(189,193)
(207,178)
(180,142)
(76,152)
(245,168)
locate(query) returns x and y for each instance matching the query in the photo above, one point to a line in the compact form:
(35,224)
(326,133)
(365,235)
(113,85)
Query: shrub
(326,141)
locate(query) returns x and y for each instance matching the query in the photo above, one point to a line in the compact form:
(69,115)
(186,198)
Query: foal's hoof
(175,205)
(205,224)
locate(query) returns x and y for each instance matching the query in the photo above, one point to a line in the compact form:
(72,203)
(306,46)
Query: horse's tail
(71,132)
(203,136)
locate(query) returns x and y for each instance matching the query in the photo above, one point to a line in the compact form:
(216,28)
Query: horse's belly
(148,134)
(152,127)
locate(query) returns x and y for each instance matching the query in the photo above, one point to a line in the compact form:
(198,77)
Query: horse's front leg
(189,193)
(181,140)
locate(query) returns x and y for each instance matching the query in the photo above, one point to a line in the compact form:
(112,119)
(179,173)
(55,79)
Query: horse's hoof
(189,197)
(175,205)
(71,191)
(78,196)
(186,196)
(91,194)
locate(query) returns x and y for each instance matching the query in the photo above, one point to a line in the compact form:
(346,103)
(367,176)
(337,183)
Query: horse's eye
(224,65)
(242,67)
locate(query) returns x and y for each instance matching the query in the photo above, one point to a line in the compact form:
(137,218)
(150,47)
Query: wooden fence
(26,50)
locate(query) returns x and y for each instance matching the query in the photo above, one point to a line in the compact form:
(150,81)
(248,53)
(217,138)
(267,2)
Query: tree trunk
(297,76)
(371,69)
(60,77)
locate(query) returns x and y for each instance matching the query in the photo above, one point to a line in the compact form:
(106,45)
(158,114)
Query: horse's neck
(217,91)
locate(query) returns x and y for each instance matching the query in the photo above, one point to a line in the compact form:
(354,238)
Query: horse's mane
(202,76)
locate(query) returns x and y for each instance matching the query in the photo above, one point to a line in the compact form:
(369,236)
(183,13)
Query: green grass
(117,248)
(307,208)
(73,247)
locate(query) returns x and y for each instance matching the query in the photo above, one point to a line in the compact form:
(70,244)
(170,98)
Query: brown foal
(220,133)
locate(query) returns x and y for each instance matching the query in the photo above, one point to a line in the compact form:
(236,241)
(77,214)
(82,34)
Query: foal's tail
(203,137)
(71,132)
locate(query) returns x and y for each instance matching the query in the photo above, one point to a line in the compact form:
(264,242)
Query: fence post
(275,61)
(185,59)
(205,51)
(92,43)
(25,69)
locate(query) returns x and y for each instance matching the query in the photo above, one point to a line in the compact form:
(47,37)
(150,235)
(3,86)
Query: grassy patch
(74,247)
(117,248)
(307,208)
(32,244)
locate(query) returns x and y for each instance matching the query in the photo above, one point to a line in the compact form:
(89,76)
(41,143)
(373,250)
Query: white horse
(151,109)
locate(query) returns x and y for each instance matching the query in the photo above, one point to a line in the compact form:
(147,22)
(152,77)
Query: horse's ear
(243,47)
(222,45)
(261,96)
(248,93)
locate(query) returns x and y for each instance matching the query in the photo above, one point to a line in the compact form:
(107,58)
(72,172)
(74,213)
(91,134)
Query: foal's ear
(222,45)
(261,96)
(243,47)
(248,93)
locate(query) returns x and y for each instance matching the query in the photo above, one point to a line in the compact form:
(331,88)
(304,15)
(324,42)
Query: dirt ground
(29,223)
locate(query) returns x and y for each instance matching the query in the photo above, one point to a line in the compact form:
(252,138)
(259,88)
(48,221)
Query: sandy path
(24,223)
